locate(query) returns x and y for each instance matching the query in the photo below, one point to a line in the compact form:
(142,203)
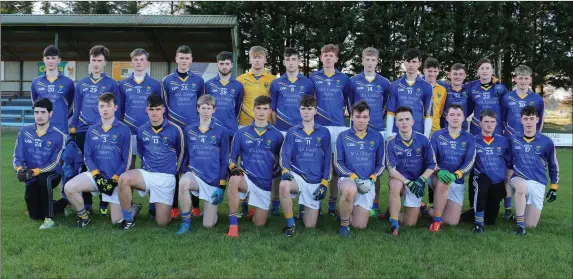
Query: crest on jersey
(463,145)
(301,88)
(318,140)
(337,82)
(165,140)
(499,150)
(269,142)
(114,138)
(148,88)
(418,151)
(61,86)
(213,139)
(378,87)
(418,90)
(537,149)
(232,91)
(49,144)
(102,88)
(371,144)
(266,85)
(193,85)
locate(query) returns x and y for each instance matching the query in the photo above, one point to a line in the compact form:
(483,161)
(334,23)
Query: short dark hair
(290,51)
(483,61)
(154,100)
(487,112)
(44,103)
(138,52)
(307,101)
(99,50)
(411,54)
(403,109)
(360,106)
(107,97)
(431,62)
(224,55)
(183,49)
(458,66)
(528,111)
(454,106)
(262,100)
(51,50)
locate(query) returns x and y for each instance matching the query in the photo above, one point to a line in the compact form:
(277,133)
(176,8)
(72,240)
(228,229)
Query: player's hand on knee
(287,176)
(218,196)
(24,174)
(551,195)
(362,185)
(446,177)
(320,192)
(237,171)
(420,186)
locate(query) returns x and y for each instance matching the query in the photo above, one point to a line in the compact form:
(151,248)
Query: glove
(24,174)
(72,136)
(287,176)
(446,177)
(217,196)
(363,185)
(412,187)
(109,186)
(320,193)
(551,195)
(237,171)
(420,186)
(100,181)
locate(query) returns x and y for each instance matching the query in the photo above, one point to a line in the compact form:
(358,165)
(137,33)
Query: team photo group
(261,142)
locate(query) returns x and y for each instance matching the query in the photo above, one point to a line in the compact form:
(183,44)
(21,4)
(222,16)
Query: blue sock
(290,222)
(127,214)
(186,216)
(437,218)
(233,219)
(152,206)
(394,223)
(507,202)
(478,218)
(375,205)
(276,204)
(244,204)
(520,221)
(331,204)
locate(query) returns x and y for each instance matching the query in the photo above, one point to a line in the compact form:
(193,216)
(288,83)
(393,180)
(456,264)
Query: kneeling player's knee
(284,188)
(163,222)
(124,180)
(359,225)
(69,188)
(209,223)
(395,187)
(441,187)
(349,192)
(259,223)
(234,182)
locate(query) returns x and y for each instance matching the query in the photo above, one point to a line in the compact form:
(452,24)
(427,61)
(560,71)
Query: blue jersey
(180,95)
(359,157)
(42,152)
(412,157)
(480,98)
(374,93)
(511,105)
(228,99)
(259,153)
(285,96)
(161,150)
(61,93)
(493,158)
(454,154)
(417,97)
(85,101)
(532,157)
(458,97)
(207,153)
(332,96)
(108,151)
(135,96)
(307,154)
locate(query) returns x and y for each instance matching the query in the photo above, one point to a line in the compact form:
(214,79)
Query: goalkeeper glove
(363,186)
(320,192)
(420,185)
(551,195)
(237,171)
(446,177)
(287,176)
(109,186)
(217,196)
(24,174)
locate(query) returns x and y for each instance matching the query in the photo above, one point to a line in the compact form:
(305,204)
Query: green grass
(101,251)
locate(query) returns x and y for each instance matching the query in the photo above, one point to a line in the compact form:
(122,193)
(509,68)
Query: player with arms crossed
(37,155)
(160,143)
(411,161)
(532,154)
(107,156)
(305,162)
(455,155)
(206,161)
(258,145)
(359,161)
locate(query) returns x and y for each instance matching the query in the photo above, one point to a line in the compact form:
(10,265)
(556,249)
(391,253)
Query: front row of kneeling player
(204,157)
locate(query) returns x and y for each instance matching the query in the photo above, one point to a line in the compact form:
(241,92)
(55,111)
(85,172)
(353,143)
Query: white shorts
(205,190)
(535,193)
(455,192)
(134,145)
(334,132)
(257,196)
(410,200)
(160,186)
(306,191)
(363,200)
(114,198)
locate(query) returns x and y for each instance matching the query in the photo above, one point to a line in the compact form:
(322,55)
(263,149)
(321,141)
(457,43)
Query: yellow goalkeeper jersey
(438,100)
(253,88)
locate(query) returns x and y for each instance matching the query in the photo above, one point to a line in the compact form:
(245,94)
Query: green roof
(105,20)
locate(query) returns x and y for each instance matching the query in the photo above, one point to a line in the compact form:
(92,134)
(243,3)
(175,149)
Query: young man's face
(370,62)
(457,77)
(155,114)
(291,63)
(360,120)
(523,82)
(529,123)
(224,67)
(42,116)
(106,110)
(183,60)
(97,63)
(205,111)
(257,61)
(488,124)
(404,121)
(485,71)
(307,113)
(412,66)
(431,74)
(51,62)
(262,112)
(328,59)
(455,117)
(139,63)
